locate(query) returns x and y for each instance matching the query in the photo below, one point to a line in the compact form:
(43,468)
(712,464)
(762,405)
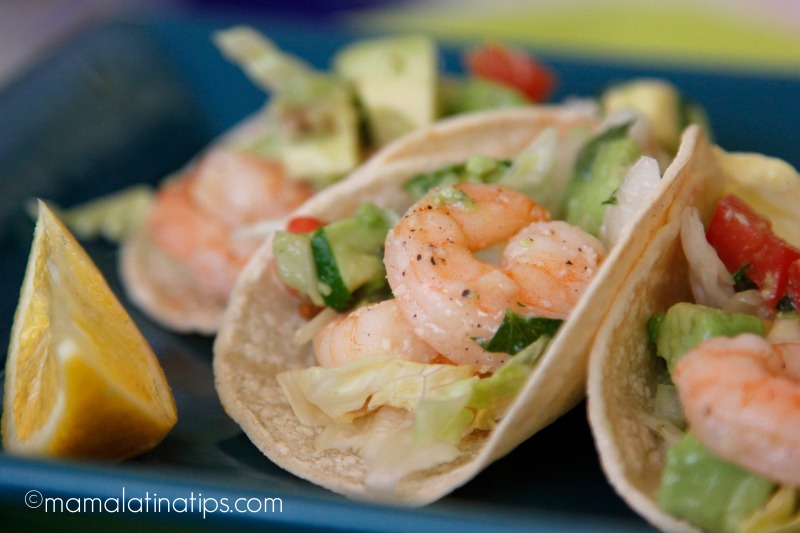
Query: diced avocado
(348,254)
(395,80)
(599,170)
(320,141)
(295,263)
(315,122)
(707,491)
(657,100)
(686,325)
(476,94)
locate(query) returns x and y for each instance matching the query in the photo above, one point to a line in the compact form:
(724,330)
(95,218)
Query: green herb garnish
(654,327)
(516,332)
(785,304)
(741,282)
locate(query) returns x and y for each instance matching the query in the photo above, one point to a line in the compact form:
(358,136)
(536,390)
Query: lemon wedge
(81,380)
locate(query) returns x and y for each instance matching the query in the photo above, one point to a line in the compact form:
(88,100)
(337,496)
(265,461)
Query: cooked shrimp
(192,217)
(552,263)
(451,298)
(741,397)
(377,329)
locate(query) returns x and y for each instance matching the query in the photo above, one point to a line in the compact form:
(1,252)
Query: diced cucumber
(348,254)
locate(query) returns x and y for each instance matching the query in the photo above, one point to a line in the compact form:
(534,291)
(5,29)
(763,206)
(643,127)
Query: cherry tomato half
(303,224)
(513,68)
(743,237)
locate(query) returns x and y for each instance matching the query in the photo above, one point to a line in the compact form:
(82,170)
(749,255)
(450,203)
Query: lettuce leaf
(419,412)
(475,403)
(276,72)
(320,396)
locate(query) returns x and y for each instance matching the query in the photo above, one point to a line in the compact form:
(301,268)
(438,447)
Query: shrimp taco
(368,350)
(316,128)
(693,382)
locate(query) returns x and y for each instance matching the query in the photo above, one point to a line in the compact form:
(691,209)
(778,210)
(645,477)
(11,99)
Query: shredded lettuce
(474,403)
(320,396)
(430,408)
(543,169)
(779,515)
(385,443)
(276,72)
(114,216)
(532,172)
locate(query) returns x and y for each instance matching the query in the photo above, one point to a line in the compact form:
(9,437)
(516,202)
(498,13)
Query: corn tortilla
(622,370)
(254,342)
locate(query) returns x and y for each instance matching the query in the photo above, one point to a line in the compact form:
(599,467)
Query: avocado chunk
(685,325)
(314,126)
(657,100)
(395,81)
(476,94)
(708,491)
(320,141)
(600,168)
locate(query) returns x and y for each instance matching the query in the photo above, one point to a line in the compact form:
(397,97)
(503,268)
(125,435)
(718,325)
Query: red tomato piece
(303,224)
(513,68)
(741,236)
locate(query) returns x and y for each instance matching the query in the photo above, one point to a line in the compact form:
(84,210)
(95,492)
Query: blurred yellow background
(729,34)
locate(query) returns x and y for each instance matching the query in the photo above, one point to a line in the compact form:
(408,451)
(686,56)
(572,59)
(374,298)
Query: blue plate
(130,102)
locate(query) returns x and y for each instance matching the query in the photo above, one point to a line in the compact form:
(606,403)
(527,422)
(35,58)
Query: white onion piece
(749,302)
(712,284)
(632,197)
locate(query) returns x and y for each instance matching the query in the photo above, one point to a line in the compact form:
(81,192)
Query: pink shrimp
(741,397)
(192,217)
(377,329)
(450,298)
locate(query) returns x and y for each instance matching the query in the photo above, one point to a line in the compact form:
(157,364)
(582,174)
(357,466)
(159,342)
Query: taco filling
(316,127)
(426,324)
(727,397)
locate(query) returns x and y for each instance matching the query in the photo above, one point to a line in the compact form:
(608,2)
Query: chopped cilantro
(785,304)
(741,282)
(516,332)
(612,200)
